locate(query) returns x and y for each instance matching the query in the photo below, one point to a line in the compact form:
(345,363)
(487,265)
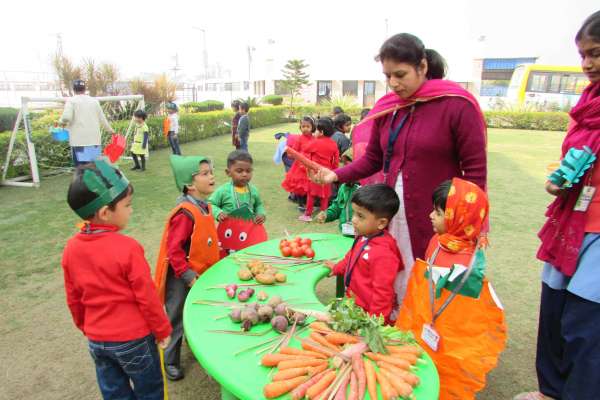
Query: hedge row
(537,121)
(192,127)
(203,106)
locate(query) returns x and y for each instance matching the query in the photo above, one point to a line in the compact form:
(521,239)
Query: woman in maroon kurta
(441,135)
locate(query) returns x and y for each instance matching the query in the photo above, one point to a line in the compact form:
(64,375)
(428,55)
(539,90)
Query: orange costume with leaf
(472,330)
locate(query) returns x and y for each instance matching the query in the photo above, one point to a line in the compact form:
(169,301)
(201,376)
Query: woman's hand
(553,189)
(323,176)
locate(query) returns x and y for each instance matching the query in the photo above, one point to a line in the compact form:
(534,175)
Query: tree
(295,78)
(162,90)
(67,72)
(100,78)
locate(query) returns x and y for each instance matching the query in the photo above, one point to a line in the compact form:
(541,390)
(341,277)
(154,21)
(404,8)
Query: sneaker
(305,218)
(134,168)
(301,209)
(531,396)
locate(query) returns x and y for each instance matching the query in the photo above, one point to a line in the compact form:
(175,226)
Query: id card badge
(585,198)
(348,229)
(430,337)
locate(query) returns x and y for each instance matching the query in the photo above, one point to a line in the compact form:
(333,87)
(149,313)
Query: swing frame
(23,117)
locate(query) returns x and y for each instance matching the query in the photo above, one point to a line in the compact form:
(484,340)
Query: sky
(338,39)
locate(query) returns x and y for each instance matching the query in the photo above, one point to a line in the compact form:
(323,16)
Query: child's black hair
(364,112)
(379,199)
(340,120)
(236,104)
(238,155)
(337,110)
(140,114)
(407,48)
(325,125)
(440,195)
(311,121)
(79,195)
(205,161)
(244,106)
(590,28)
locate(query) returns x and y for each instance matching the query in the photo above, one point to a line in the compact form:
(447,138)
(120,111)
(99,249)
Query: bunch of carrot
(315,373)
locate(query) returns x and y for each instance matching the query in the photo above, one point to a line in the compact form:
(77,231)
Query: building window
(246,85)
(24,86)
(538,82)
(350,88)
(211,87)
(368,93)
(259,88)
(280,88)
(323,91)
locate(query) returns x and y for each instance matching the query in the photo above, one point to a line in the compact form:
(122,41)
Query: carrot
(341,392)
(353,395)
(392,360)
(401,387)
(309,345)
(341,338)
(271,360)
(309,164)
(323,342)
(276,389)
(409,377)
(298,352)
(371,379)
(411,358)
(387,390)
(358,368)
(304,362)
(319,368)
(300,391)
(407,348)
(320,327)
(319,387)
(290,373)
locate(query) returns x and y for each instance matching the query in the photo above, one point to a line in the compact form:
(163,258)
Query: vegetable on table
(387,390)
(316,389)
(371,378)
(301,362)
(402,388)
(298,352)
(338,338)
(359,370)
(407,376)
(279,388)
(392,360)
(271,360)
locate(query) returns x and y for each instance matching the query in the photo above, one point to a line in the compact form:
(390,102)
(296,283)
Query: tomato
(286,251)
(310,253)
(297,252)
(297,239)
(306,241)
(283,243)
(304,247)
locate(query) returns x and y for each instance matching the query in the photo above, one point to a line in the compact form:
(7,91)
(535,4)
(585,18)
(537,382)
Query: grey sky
(338,38)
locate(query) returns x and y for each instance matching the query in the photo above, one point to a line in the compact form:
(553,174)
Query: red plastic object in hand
(309,164)
(115,149)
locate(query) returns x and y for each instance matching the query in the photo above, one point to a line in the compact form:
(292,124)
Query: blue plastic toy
(572,167)
(60,134)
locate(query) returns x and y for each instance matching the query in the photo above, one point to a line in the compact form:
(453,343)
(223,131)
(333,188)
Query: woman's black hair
(79,195)
(311,121)
(590,28)
(235,104)
(140,114)
(340,120)
(407,48)
(379,199)
(244,106)
(238,155)
(325,125)
(440,195)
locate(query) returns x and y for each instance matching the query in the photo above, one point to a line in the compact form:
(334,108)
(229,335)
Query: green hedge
(8,116)
(192,127)
(273,99)
(533,120)
(203,106)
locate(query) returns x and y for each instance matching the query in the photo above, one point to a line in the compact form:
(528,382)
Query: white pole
(35,175)
(11,144)
(64,99)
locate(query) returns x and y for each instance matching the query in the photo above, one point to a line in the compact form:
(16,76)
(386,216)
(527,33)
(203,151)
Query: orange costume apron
(204,245)
(465,314)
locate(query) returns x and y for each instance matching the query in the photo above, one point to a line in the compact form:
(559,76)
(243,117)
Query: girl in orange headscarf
(450,306)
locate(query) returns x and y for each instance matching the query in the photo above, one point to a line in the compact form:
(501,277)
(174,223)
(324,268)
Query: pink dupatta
(564,231)
(430,90)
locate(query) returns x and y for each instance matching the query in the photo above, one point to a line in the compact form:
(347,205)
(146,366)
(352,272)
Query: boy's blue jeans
(121,365)
(173,140)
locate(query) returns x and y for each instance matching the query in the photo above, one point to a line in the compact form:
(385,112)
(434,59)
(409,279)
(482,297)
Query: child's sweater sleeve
(138,275)
(180,228)
(335,208)
(340,267)
(385,265)
(216,201)
(73,295)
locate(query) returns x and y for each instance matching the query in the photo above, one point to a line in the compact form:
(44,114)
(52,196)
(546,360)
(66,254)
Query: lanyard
(351,265)
(466,274)
(87,230)
(200,204)
(393,137)
(237,199)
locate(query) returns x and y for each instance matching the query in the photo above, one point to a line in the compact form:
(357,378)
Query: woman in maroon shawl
(568,347)
(425,131)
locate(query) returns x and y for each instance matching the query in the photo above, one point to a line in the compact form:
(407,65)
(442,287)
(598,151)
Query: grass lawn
(45,356)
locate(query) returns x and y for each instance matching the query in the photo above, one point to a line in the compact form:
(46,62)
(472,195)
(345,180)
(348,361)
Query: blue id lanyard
(351,265)
(393,137)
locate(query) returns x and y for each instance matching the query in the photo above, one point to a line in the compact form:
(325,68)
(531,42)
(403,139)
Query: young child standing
(141,137)
(343,126)
(239,191)
(173,127)
(324,152)
(243,128)
(235,107)
(189,247)
(296,179)
(341,208)
(466,332)
(109,289)
(370,267)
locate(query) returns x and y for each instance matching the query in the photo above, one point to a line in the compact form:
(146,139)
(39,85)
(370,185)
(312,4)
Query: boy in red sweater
(370,267)
(109,289)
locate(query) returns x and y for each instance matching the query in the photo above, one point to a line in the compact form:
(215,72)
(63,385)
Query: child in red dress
(296,179)
(324,151)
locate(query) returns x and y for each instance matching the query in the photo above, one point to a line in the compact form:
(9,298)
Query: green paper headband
(94,183)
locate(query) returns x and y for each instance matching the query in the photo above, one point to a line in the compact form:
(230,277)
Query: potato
(280,277)
(265,279)
(274,301)
(245,274)
(279,323)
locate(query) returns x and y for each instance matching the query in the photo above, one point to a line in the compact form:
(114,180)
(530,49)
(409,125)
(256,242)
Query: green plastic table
(242,376)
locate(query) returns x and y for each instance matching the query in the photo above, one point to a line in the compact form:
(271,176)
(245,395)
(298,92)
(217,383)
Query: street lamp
(204,51)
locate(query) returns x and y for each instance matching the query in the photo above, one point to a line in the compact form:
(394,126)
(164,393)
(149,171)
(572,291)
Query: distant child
(296,179)
(343,125)
(336,111)
(141,137)
(239,191)
(370,267)
(235,107)
(172,127)
(243,128)
(280,157)
(364,112)
(324,152)
(466,336)
(109,289)
(341,208)
(189,247)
